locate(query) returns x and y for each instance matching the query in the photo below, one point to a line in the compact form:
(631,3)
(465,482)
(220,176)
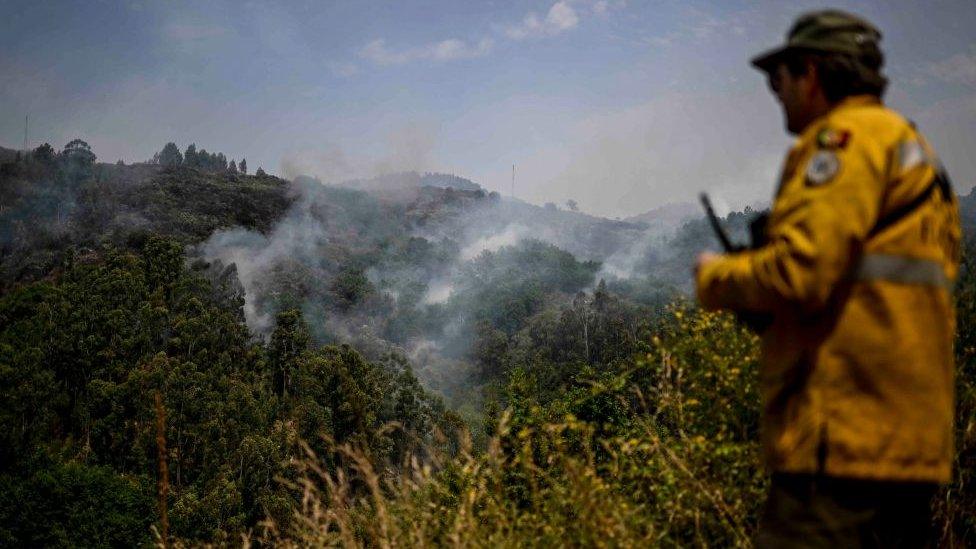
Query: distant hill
(967,211)
(411,180)
(443,206)
(669,215)
(48,208)
(7,155)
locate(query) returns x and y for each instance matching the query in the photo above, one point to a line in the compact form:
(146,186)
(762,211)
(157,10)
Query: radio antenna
(513,180)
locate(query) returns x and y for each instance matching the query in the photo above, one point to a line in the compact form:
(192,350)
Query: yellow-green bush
(678,465)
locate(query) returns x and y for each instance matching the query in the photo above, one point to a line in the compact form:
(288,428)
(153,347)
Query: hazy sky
(621,105)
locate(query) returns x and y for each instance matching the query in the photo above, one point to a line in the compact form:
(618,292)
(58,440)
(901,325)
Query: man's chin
(793,128)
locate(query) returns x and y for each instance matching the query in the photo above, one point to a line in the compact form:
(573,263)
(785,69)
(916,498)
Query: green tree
(44,154)
(190,157)
(78,152)
(203,159)
(349,288)
(72,504)
(170,155)
(289,340)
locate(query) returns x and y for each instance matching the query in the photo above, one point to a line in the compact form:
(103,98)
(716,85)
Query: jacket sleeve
(816,233)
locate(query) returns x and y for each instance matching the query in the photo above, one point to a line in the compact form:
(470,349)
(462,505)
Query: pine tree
(170,155)
(190,156)
(289,340)
(44,154)
(243,166)
(203,159)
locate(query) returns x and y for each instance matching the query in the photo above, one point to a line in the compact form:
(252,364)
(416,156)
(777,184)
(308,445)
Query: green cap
(823,31)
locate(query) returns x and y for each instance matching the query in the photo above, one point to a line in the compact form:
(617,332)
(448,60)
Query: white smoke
(439,290)
(409,147)
(254,254)
(509,236)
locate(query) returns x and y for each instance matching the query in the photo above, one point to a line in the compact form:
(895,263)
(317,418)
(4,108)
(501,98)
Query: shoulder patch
(823,166)
(829,138)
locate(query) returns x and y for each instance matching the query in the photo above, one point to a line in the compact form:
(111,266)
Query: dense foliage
(81,357)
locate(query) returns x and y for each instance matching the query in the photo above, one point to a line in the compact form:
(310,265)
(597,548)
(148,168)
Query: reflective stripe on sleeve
(903,270)
(911,154)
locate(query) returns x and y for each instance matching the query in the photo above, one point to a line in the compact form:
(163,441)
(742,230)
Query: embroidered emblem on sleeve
(829,138)
(822,168)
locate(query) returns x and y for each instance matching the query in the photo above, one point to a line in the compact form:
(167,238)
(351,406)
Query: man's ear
(811,78)
(810,69)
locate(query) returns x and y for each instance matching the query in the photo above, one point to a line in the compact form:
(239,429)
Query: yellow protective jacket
(857,368)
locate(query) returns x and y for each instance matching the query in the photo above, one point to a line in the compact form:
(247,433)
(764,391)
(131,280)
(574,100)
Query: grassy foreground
(660,454)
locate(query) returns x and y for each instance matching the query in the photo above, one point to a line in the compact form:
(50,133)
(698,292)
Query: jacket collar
(855,101)
(849,102)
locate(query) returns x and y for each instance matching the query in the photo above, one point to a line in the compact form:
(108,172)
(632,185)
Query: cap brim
(767,61)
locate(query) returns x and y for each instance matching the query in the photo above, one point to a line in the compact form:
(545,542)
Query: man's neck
(818,108)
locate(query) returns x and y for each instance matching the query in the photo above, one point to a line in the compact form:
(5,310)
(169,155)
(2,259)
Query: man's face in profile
(793,93)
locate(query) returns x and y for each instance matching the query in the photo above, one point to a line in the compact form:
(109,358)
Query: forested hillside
(407,360)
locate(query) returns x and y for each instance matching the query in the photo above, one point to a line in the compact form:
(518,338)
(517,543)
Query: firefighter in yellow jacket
(855,276)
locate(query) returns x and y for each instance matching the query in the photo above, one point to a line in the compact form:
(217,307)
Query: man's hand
(757,322)
(705,258)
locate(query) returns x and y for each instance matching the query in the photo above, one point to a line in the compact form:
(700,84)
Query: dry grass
(532,488)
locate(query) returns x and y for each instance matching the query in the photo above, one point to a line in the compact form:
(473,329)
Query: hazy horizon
(621,106)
